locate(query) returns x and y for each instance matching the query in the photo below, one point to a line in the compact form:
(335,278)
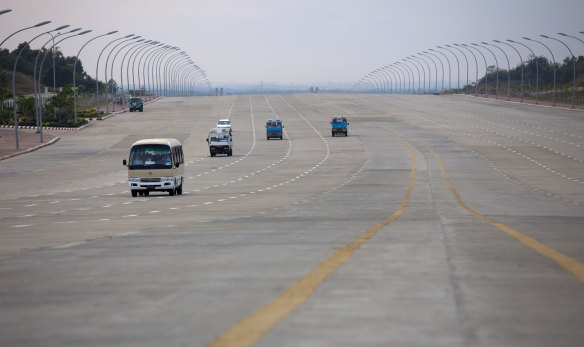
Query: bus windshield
(144,157)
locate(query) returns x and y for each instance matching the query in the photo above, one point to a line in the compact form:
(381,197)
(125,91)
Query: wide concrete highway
(439,221)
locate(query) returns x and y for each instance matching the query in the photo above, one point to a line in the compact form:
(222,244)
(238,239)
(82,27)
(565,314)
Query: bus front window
(145,157)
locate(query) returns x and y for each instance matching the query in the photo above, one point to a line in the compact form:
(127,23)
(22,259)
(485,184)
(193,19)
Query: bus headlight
(167,179)
(134,180)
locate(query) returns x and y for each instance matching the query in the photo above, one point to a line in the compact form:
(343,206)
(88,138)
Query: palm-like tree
(26,106)
(4,95)
(62,101)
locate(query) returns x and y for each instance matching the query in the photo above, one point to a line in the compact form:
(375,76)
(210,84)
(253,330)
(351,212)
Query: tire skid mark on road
(501,171)
(570,264)
(515,152)
(251,329)
(495,132)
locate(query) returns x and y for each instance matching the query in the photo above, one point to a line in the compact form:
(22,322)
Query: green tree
(4,94)
(26,107)
(63,102)
(112,85)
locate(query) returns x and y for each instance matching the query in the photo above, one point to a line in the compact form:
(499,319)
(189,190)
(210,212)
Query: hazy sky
(301,41)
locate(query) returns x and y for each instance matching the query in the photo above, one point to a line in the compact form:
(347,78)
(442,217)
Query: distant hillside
(23,82)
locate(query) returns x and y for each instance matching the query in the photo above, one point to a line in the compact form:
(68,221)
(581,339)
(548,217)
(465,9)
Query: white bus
(156,165)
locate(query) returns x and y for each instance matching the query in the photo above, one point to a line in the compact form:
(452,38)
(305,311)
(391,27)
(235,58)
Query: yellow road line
(251,329)
(568,263)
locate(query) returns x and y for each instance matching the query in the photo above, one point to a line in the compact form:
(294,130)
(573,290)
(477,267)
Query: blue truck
(274,129)
(339,125)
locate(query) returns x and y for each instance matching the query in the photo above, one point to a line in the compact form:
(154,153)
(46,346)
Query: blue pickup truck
(274,129)
(339,125)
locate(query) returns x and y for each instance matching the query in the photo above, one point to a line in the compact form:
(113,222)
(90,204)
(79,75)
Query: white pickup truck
(224,124)
(220,142)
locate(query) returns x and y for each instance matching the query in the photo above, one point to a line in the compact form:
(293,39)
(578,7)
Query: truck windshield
(339,120)
(219,138)
(274,124)
(144,157)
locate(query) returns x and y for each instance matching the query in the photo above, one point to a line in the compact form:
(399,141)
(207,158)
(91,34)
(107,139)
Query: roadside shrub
(6,117)
(89,113)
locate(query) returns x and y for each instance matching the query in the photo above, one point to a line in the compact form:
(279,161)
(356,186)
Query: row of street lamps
(164,70)
(386,78)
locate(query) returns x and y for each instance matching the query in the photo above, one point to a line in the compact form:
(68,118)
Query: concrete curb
(31,149)
(73,129)
(523,103)
(59,128)
(44,128)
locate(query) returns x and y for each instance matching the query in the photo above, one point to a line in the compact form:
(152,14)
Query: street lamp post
(449,70)
(466,60)
(149,67)
(497,66)
(486,68)
(97,73)
(397,72)
(574,62)
(133,51)
(176,65)
(192,80)
(389,77)
(508,69)
(164,70)
(408,59)
(171,59)
(429,70)
(145,53)
(181,69)
(54,83)
(136,44)
(157,67)
(476,66)
(375,82)
(554,61)
(37,91)
(385,79)
(130,38)
(435,71)
(457,66)
(170,71)
(396,77)
(75,67)
(409,70)
(30,27)
(441,65)
(536,68)
(417,60)
(520,59)
(27,44)
(135,72)
(401,70)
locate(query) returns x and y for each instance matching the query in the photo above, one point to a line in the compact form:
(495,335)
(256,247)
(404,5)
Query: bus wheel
(179,190)
(147,193)
(134,193)
(171,192)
